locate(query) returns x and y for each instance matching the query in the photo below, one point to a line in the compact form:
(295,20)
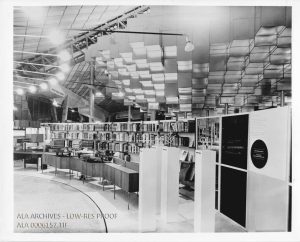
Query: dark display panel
(233,194)
(235,141)
(217,188)
(290,210)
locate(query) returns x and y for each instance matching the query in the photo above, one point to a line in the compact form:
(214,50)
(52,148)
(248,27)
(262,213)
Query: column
(169,184)
(92,94)
(147,190)
(282,97)
(226,108)
(129,113)
(204,201)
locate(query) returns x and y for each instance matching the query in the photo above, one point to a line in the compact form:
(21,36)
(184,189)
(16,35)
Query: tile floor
(37,192)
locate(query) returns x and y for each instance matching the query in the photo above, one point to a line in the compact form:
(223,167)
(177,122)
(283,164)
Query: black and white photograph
(150,120)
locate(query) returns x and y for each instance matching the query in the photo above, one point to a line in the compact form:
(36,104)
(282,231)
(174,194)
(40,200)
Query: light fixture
(15,108)
(56,37)
(98,94)
(65,67)
(72,110)
(189,46)
(44,86)
(55,103)
(53,81)
(64,56)
(32,89)
(39,15)
(20,91)
(60,76)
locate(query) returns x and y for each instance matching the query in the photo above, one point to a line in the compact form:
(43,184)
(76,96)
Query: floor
(80,207)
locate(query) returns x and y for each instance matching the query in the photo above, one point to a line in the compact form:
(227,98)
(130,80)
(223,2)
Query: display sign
(229,100)
(235,140)
(259,154)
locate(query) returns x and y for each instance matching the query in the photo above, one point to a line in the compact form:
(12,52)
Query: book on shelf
(183,155)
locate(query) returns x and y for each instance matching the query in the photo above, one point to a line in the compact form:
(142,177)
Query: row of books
(119,147)
(177,141)
(179,126)
(155,126)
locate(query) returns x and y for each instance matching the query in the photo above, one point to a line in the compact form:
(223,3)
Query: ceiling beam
(35,72)
(36,64)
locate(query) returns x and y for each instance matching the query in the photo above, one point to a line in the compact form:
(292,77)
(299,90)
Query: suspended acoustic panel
(284,85)
(233,76)
(217,63)
(214,88)
(198,100)
(158,78)
(170,52)
(171,78)
(184,66)
(240,48)
(184,80)
(229,89)
(141,64)
(254,68)
(273,71)
(185,107)
(198,92)
(250,80)
(246,90)
(285,38)
(260,54)
(216,77)
(281,56)
(199,83)
(200,70)
(287,69)
(170,66)
(236,63)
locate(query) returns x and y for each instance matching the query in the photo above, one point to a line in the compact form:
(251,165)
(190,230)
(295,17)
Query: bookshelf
(123,136)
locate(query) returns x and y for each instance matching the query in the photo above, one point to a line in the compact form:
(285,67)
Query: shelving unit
(123,136)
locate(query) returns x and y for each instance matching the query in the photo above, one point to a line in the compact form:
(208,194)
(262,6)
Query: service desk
(73,163)
(29,157)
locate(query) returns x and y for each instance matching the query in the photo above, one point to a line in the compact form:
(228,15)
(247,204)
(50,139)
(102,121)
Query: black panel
(235,141)
(217,187)
(233,194)
(290,210)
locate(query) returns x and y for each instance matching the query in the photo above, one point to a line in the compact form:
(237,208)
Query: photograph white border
(6,128)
